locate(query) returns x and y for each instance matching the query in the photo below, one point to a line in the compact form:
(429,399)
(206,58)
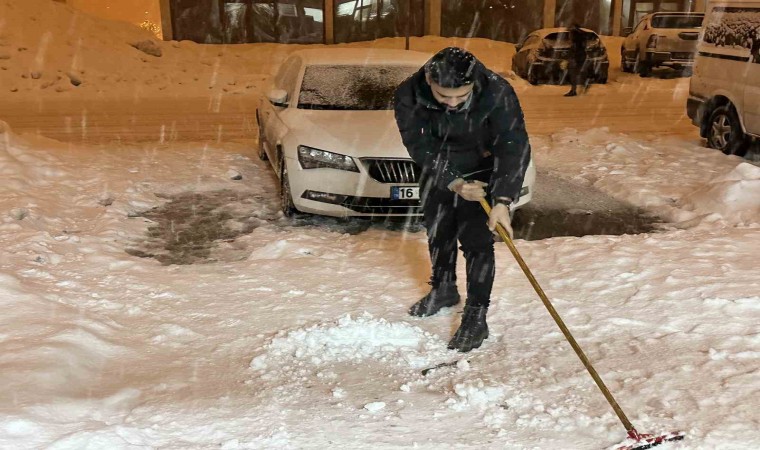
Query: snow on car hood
(353,133)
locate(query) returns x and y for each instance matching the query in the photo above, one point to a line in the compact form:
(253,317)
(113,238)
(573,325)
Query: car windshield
(351,87)
(677,21)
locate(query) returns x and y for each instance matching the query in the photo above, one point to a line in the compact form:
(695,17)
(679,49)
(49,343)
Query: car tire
(602,78)
(643,67)
(724,132)
(262,153)
(623,63)
(531,76)
(286,196)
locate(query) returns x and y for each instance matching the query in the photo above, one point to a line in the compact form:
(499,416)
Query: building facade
(335,21)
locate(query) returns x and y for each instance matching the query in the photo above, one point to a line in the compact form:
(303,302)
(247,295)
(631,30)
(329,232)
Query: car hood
(353,133)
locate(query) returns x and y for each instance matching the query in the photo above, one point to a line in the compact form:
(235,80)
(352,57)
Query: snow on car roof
(676,13)
(363,56)
(547,31)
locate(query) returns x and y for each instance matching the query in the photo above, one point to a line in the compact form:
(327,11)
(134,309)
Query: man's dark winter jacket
(487,136)
(579,40)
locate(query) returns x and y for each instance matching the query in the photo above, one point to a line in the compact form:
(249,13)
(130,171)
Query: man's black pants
(448,218)
(577,72)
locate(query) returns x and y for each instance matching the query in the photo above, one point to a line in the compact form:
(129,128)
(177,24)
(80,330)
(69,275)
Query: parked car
(662,39)
(724,92)
(543,54)
(328,129)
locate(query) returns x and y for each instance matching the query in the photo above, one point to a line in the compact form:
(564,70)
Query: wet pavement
(564,208)
(189,226)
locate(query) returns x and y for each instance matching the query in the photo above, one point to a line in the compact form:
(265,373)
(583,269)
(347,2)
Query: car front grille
(383,206)
(682,55)
(388,170)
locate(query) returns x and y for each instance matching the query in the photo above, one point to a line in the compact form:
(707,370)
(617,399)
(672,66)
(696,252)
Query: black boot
(472,331)
(572,93)
(441,296)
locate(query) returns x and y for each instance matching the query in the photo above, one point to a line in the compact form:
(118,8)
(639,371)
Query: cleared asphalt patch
(187,228)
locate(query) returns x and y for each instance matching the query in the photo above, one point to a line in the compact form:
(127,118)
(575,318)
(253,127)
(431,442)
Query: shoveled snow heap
(733,197)
(707,186)
(349,339)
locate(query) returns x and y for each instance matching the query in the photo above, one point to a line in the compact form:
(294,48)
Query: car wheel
(286,196)
(262,153)
(725,132)
(643,67)
(531,76)
(602,77)
(623,63)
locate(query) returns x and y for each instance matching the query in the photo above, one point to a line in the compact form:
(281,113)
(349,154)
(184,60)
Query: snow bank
(733,197)
(354,340)
(680,181)
(48,49)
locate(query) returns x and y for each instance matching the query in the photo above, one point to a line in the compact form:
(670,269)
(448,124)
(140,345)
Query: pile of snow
(48,48)
(708,186)
(349,339)
(733,197)
(476,394)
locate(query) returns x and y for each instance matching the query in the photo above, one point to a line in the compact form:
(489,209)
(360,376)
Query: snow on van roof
(363,56)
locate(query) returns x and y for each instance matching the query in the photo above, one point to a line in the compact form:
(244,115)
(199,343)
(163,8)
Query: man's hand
(500,214)
(472,191)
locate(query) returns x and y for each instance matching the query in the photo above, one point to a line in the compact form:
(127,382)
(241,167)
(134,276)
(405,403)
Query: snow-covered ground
(297,336)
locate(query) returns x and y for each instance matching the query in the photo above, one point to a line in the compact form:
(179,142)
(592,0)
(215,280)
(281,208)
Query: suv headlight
(313,158)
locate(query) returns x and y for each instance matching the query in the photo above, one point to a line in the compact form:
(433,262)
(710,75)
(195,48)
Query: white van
(724,95)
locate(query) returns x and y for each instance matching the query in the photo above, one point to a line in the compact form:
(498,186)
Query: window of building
(364,20)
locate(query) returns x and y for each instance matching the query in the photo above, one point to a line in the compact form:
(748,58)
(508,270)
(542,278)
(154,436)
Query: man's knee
(478,249)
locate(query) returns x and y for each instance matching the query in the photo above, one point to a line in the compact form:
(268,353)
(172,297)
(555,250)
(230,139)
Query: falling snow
(294,334)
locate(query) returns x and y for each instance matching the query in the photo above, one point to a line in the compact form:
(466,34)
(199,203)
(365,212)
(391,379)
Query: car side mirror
(626,31)
(278,97)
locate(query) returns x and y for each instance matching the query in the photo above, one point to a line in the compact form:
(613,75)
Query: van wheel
(286,197)
(725,133)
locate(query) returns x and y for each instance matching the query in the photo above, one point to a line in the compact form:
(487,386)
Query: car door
(631,43)
(518,61)
(270,113)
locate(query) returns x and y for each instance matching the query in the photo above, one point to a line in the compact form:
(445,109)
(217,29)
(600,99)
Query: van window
(677,21)
(735,28)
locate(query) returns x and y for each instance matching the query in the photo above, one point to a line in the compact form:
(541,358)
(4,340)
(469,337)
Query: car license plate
(405,193)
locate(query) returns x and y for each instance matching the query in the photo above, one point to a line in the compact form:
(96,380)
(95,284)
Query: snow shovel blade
(644,441)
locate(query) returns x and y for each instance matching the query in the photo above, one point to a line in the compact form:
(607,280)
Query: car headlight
(313,158)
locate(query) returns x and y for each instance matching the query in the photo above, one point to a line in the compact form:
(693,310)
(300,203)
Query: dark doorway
(500,20)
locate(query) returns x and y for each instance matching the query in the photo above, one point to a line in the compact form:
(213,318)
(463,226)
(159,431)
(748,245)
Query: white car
(662,39)
(328,129)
